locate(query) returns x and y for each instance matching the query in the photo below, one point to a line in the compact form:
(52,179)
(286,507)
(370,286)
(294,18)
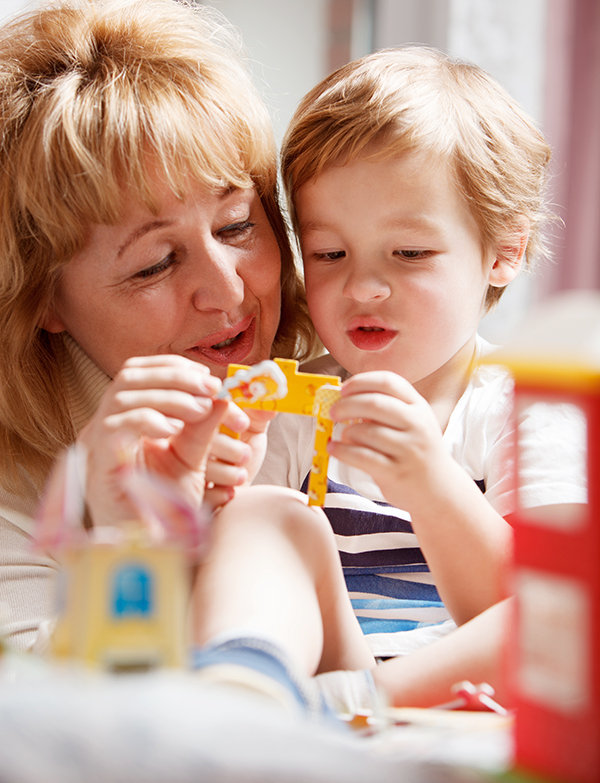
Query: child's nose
(365,285)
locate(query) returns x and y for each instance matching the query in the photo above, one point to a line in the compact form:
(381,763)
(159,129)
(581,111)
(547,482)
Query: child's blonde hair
(416,98)
(91,91)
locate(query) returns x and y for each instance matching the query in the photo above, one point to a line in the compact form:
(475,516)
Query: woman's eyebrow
(141,231)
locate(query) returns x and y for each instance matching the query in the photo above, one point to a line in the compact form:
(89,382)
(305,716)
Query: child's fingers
(215,496)
(373,462)
(383,382)
(388,441)
(260,420)
(235,418)
(381,408)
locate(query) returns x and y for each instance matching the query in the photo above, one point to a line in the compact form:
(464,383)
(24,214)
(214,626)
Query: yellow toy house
(123,592)
(124,603)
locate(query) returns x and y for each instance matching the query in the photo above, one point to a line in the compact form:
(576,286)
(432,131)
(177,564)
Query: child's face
(396,275)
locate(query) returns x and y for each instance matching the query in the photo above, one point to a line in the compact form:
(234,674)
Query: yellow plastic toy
(276,385)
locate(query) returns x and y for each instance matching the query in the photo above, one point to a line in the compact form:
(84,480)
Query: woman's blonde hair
(88,88)
(416,98)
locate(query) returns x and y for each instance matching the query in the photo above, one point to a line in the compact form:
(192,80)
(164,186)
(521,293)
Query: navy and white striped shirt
(391,588)
(386,574)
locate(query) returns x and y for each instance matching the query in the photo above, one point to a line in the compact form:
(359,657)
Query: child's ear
(510,255)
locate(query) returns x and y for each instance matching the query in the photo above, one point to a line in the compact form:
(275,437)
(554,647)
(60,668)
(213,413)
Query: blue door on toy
(133,590)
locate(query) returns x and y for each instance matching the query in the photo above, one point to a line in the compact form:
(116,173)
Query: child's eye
(333,255)
(157,268)
(410,255)
(236,230)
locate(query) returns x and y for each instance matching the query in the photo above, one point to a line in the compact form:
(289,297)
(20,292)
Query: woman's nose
(366,283)
(218,284)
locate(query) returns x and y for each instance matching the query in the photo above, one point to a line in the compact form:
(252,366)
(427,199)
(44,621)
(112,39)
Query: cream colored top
(27,574)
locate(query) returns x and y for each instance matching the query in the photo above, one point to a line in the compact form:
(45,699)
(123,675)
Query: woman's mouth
(231,346)
(225,343)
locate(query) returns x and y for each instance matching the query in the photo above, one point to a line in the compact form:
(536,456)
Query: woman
(140,218)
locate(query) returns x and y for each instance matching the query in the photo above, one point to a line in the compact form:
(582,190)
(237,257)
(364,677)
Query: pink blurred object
(473,697)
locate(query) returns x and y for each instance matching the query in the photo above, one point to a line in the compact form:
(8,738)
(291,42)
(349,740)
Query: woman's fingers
(192,445)
(224,474)
(168,402)
(166,372)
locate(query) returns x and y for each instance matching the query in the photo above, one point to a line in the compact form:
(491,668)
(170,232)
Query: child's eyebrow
(416,223)
(313,225)
(420,223)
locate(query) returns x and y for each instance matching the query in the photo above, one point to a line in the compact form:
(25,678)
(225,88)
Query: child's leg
(273,569)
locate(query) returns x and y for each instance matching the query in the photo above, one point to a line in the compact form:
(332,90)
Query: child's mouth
(371,338)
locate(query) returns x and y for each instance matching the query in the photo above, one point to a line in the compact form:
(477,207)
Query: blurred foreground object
(554,656)
(123,592)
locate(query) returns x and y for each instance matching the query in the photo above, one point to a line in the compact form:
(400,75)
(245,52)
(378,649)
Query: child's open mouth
(371,338)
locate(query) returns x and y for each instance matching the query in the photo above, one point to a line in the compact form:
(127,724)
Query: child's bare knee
(267,506)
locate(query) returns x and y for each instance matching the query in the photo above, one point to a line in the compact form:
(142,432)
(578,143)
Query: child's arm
(395,437)
(425,678)
(472,652)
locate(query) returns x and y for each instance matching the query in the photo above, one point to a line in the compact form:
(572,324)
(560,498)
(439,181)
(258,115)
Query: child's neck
(444,388)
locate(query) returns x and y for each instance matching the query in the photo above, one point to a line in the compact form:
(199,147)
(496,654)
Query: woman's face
(199,279)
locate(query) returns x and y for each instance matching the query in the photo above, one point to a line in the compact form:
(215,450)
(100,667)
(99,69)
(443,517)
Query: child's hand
(393,435)
(235,462)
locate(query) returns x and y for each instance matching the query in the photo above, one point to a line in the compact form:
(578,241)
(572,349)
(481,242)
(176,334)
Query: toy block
(276,385)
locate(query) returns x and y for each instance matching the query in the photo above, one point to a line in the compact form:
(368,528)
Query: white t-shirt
(390,585)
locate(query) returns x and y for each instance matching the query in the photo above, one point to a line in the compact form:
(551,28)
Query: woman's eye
(157,268)
(333,255)
(236,230)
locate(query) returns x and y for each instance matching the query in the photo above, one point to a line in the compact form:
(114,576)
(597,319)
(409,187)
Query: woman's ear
(510,254)
(51,322)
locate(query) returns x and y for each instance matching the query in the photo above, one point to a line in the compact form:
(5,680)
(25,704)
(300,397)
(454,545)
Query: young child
(416,189)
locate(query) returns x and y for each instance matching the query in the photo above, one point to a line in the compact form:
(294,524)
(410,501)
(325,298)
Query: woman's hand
(158,412)
(234,462)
